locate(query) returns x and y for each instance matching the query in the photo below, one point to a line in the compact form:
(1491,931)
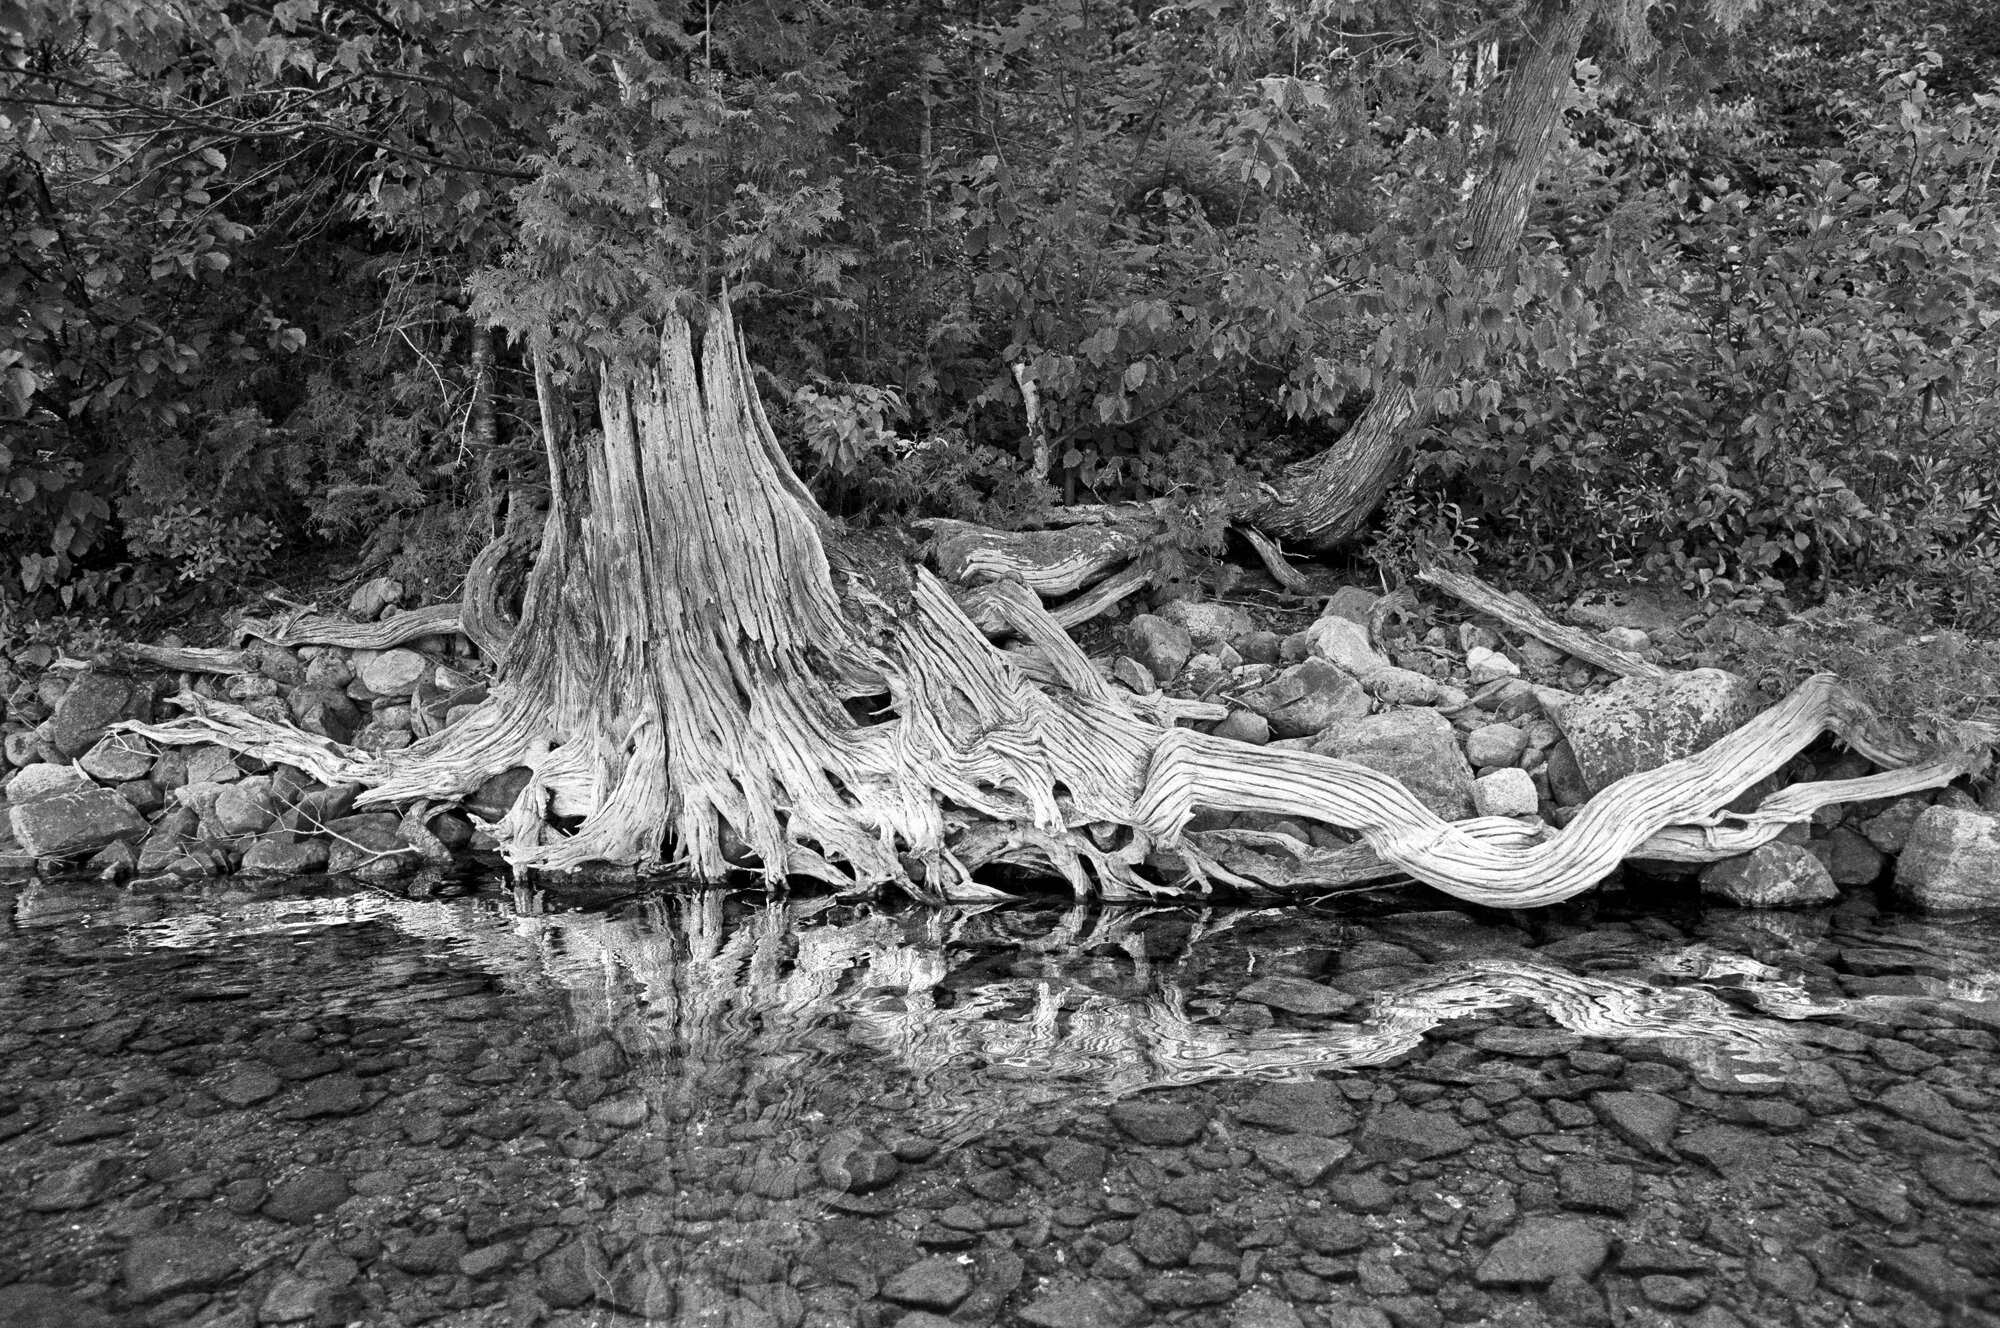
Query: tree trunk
(710,674)
(1325,502)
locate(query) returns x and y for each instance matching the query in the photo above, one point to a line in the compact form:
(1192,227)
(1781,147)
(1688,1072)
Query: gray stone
(1307,698)
(1309,1108)
(93,703)
(1774,875)
(211,764)
(1159,1124)
(937,1283)
(1727,1149)
(247,1085)
(368,601)
(1483,665)
(289,855)
(1074,1162)
(1345,643)
(1671,1293)
(294,1299)
(72,1187)
(74,824)
(1352,603)
(1655,610)
(1542,1250)
(31,1305)
(1162,646)
(1641,724)
(1848,857)
(324,711)
(1597,1187)
(118,757)
(856,1162)
(427,1256)
(1092,1304)
(1163,1238)
(1505,792)
(1399,1131)
(1416,747)
(46,780)
(496,796)
(391,672)
(1962,1179)
(305,1196)
(1644,1120)
(1495,744)
(1297,996)
(1952,861)
(1567,786)
(366,847)
(1301,1158)
(1207,623)
(1406,687)
(1134,676)
(1245,726)
(175,1261)
(1261,1309)
(1890,828)
(246,807)
(1920,1104)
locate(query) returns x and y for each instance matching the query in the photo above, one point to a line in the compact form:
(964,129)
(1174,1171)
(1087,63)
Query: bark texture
(710,674)
(1325,502)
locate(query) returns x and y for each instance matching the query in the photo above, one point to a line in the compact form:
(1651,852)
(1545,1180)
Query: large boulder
(1208,623)
(1773,876)
(1307,697)
(1641,724)
(1951,861)
(1418,747)
(92,704)
(74,823)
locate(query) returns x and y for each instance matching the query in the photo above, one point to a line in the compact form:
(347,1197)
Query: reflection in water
(725,1052)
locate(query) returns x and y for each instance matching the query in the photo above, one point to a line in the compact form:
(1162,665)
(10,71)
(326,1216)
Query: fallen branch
(1272,555)
(316,630)
(191,659)
(1524,617)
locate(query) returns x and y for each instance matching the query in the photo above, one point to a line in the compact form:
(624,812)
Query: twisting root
(706,665)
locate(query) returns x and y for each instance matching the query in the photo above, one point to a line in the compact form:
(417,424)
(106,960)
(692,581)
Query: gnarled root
(712,676)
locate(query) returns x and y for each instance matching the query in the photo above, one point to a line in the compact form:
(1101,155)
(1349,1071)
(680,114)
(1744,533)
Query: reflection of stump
(708,671)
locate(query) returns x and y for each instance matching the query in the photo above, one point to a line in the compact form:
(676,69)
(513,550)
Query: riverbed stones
(1302,1159)
(246,807)
(1417,747)
(1951,861)
(1495,745)
(1345,643)
(72,1187)
(1397,1131)
(305,1196)
(1159,1124)
(1849,858)
(1643,723)
(1889,829)
(371,597)
(1773,875)
(1644,1120)
(1091,1304)
(45,780)
(855,1162)
(75,823)
(1542,1250)
(1297,996)
(174,1261)
(1245,726)
(325,711)
(291,856)
(32,1305)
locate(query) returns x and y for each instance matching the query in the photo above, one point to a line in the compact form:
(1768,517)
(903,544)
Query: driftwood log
(709,674)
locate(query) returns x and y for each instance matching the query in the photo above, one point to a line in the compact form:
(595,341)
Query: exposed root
(711,675)
(1523,617)
(317,630)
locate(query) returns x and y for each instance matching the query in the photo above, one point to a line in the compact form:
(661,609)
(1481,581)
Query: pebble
(1302,1158)
(305,1196)
(1298,996)
(1399,1132)
(1160,1124)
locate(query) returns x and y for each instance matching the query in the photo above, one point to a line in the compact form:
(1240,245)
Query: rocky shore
(1475,720)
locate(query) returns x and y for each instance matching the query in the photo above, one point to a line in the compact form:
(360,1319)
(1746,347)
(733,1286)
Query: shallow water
(510,1107)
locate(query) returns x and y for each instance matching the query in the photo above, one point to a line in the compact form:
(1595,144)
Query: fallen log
(319,630)
(1525,617)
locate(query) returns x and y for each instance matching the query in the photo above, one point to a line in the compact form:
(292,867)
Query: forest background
(269,275)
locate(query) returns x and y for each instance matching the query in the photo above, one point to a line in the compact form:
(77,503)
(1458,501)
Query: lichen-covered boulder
(1641,724)
(90,705)
(74,823)
(1951,861)
(1418,747)
(1773,876)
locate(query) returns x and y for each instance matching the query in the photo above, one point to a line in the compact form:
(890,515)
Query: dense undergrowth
(1748,348)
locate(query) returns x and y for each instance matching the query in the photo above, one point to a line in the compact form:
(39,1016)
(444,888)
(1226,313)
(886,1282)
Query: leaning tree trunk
(1325,501)
(709,673)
